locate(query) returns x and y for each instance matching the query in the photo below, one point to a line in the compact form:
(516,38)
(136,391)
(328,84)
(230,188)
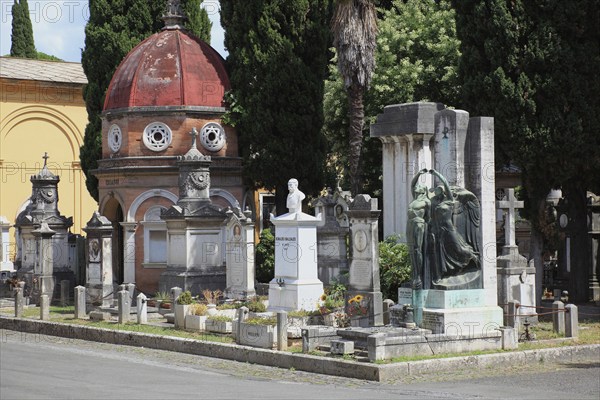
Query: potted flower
(182,308)
(357,310)
(219,324)
(212,297)
(196,319)
(330,305)
(162,301)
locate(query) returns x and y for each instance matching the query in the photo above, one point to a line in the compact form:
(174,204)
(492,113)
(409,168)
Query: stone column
(142,309)
(571,321)
(129,251)
(80,307)
(124,306)
(594,217)
(44,265)
(403,128)
(99,271)
(558,317)
(364,267)
(44,308)
(19,302)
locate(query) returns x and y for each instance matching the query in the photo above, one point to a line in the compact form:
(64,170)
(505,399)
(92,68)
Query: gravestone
(195,259)
(516,279)
(364,266)
(296,285)
(332,233)
(99,270)
(239,255)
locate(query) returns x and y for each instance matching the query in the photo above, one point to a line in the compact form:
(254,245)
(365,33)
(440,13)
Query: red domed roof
(170,68)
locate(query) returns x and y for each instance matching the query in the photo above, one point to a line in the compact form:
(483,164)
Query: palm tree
(354,28)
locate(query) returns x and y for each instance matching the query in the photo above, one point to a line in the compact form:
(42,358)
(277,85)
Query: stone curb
(302,362)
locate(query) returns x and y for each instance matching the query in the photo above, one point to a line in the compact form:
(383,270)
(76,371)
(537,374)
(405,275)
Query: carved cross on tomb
(46,157)
(510,205)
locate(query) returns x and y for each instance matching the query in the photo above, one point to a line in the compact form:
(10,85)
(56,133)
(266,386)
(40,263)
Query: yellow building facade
(42,111)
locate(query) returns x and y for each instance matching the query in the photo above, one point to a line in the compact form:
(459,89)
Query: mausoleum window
(157,136)
(155,237)
(212,136)
(115,138)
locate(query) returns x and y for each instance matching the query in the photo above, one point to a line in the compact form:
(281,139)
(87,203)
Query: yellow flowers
(323,297)
(356,299)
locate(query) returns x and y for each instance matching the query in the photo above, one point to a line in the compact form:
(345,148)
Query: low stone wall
(301,362)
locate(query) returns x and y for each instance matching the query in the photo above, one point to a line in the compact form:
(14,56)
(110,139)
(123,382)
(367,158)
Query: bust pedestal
(296,285)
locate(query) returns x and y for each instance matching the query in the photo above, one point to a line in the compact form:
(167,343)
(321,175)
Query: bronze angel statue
(452,242)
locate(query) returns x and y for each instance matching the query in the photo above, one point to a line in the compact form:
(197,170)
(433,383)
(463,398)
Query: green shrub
(394,266)
(265,257)
(229,306)
(255,305)
(262,321)
(185,298)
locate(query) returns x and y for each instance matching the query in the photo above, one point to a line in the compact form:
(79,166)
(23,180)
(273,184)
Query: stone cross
(510,205)
(46,157)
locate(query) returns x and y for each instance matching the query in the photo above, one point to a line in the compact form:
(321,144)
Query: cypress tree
(22,44)
(198,22)
(277,65)
(533,67)
(113,29)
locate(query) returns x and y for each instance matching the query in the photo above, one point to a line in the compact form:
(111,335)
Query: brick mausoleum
(167,85)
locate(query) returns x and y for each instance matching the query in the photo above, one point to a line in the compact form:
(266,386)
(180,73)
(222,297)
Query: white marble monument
(239,255)
(296,285)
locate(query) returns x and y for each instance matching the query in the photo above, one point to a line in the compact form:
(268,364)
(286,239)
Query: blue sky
(58,26)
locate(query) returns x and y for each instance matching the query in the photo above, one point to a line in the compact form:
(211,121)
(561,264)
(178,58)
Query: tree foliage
(113,29)
(265,257)
(277,65)
(416,60)
(394,266)
(533,66)
(22,43)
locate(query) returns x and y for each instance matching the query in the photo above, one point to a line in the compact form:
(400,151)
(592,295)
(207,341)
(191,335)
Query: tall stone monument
(516,279)
(240,254)
(594,232)
(364,266)
(296,285)
(43,207)
(458,250)
(195,258)
(99,261)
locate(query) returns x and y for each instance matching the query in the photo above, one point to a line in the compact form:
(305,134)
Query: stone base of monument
(236,294)
(456,312)
(295,295)
(374,300)
(404,342)
(467,280)
(194,279)
(100,295)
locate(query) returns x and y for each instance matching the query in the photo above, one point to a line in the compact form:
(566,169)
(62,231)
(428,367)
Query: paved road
(45,367)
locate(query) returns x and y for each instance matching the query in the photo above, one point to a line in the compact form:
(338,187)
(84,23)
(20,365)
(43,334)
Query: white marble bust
(295,197)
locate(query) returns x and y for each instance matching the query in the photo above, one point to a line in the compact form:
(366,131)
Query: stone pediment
(205,210)
(59,220)
(98,220)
